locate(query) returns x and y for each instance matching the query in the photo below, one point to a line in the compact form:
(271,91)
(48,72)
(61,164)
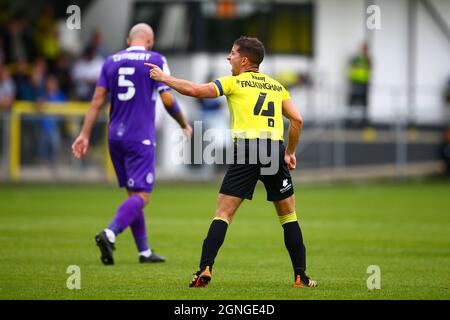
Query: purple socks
(139,231)
(131,213)
(127,213)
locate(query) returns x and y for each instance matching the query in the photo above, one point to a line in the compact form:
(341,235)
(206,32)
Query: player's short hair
(251,48)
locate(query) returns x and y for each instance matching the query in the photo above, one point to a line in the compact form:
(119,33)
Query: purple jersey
(133,93)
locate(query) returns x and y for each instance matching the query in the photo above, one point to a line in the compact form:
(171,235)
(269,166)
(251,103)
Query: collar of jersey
(136,48)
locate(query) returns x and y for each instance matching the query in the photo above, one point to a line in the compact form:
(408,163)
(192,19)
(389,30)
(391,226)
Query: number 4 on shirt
(269,112)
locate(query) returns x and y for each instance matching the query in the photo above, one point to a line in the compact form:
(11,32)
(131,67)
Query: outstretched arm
(174,110)
(185,87)
(294,133)
(81,143)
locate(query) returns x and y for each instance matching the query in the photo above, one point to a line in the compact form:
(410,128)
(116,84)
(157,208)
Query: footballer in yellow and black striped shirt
(257,104)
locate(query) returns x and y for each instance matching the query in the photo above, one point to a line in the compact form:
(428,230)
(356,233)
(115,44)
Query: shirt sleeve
(160,86)
(225,85)
(102,79)
(286,95)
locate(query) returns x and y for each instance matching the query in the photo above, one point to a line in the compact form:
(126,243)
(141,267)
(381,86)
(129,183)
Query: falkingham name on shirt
(259,85)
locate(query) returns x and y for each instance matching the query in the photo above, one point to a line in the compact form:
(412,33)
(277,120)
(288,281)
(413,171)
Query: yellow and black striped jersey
(255,103)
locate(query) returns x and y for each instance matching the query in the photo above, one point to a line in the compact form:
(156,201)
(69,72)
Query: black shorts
(242,176)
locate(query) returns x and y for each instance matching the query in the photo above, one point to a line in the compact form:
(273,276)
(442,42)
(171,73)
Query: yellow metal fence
(21,108)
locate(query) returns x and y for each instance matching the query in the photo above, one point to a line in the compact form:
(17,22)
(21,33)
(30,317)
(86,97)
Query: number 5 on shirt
(131,90)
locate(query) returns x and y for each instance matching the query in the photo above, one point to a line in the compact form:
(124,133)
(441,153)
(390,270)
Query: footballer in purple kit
(131,134)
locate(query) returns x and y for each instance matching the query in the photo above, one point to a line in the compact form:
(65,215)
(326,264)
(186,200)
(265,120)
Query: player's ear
(149,44)
(128,41)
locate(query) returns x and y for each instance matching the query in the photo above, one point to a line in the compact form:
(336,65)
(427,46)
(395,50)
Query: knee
(286,206)
(145,196)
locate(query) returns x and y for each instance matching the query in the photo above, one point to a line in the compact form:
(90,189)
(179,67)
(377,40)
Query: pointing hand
(155,72)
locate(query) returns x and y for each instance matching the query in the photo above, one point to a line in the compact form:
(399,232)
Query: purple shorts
(134,163)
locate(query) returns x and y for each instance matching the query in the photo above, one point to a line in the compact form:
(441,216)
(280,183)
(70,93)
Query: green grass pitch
(404,228)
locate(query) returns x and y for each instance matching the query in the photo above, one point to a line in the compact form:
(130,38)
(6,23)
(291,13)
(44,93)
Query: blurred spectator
(37,78)
(213,119)
(359,72)
(97,42)
(447,102)
(46,36)
(32,89)
(2,50)
(49,135)
(69,40)
(62,72)
(30,79)
(210,109)
(18,40)
(291,78)
(22,79)
(85,73)
(7,89)
(5,12)
(7,93)
(445,151)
